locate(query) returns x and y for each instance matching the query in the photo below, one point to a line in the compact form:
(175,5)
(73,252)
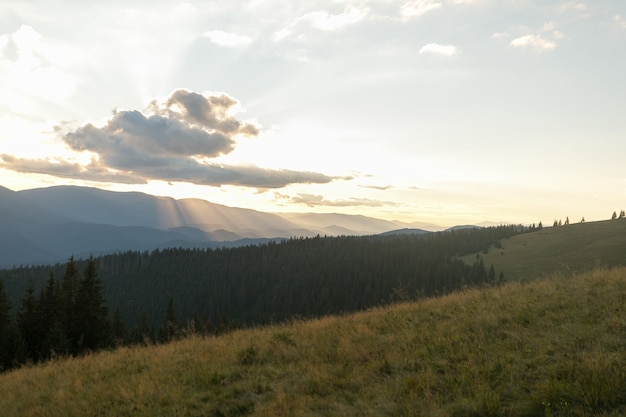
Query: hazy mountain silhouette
(50,224)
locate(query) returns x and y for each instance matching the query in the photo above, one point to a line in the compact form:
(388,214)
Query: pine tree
(68,301)
(143,333)
(170,324)
(118,329)
(28,322)
(614,216)
(54,340)
(94,327)
(5,309)
(567,220)
(492,274)
(13,348)
(622,214)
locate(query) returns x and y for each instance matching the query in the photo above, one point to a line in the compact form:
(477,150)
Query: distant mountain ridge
(49,224)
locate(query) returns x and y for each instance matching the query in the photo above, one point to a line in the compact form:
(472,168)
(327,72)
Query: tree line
(160,295)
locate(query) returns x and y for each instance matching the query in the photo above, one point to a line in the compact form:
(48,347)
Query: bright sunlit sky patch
(440,111)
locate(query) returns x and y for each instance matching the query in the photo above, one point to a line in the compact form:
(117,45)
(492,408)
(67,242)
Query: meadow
(550,347)
(564,249)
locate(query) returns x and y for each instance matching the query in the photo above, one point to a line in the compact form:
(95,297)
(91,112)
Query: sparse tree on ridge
(555,224)
(614,216)
(582,220)
(567,220)
(622,214)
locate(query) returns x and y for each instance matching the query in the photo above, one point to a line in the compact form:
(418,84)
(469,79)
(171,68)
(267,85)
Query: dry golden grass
(547,348)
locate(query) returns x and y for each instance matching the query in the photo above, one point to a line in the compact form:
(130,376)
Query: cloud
(533,42)
(377,187)
(580,7)
(418,8)
(173,140)
(227,39)
(313,200)
(500,35)
(29,67)
(437,49)
(621,22)
(324,21)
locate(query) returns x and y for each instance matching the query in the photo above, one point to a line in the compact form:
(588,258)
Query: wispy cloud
(620,21)
(580,7)
(175,139)
(313,200)
(377,187)
(438,49)
(535,42)
(227,39)
(418,8)
(324,21)
(544,39)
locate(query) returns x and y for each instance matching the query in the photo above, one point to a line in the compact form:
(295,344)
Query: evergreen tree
(68,299)
(143,333)
(622,214)
(555,224)
(118,329)
(492,274)
(53,339)
(614,216)
(93,325)
(567,220)
(540,226)
(5,309)
(170,324)
(28,323)
(13,348)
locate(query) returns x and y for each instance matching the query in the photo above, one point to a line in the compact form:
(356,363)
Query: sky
(431,111)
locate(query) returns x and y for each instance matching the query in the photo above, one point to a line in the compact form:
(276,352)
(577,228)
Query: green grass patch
(564,249)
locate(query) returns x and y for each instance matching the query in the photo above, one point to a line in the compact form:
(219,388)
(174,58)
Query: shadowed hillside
(567,249)
(554,347)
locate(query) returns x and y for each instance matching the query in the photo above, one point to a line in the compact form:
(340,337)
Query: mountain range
(47,225)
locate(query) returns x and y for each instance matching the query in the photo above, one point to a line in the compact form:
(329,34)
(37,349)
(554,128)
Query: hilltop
(565,249)
(546,348)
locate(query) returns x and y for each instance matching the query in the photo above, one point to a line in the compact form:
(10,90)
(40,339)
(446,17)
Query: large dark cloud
(173,140)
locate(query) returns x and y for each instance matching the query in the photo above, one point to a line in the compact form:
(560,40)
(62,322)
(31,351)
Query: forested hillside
(157,294)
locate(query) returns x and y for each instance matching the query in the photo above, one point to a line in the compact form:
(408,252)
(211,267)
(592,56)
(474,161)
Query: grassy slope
(574,247)
(551,347)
